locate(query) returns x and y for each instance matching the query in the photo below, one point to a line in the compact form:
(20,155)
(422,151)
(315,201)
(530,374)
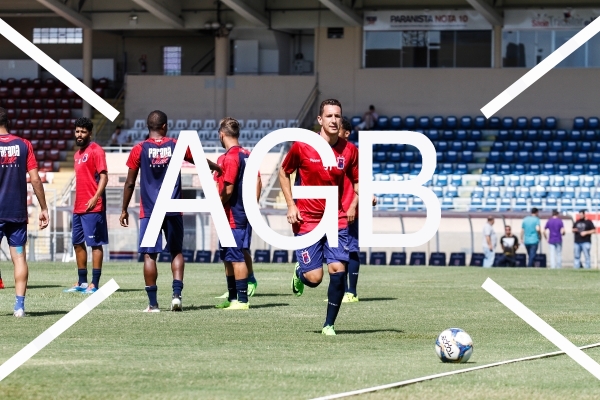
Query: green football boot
(236,305)
(328,331)
(297,285)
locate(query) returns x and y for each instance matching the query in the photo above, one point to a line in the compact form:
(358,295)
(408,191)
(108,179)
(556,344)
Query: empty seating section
(42,111)
(500,164)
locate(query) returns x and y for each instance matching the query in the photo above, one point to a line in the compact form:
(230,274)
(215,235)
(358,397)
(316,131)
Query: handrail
(211,51)
(104,120)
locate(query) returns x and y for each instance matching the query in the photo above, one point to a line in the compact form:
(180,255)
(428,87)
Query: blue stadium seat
(493,192)
(579,123)
(540,146)
(543,180)
(539,192)
(398,147)
(451,156)
(551,204)
(512,146)
(498,146)
(520,204)
(389,168)
(588,135)
(457,260)
(441,180)
(451,192)
(523,193)
(355,121)
(508,123)
(552,157)
(470,145)
(536,202)
(523,157)
(521,123)
(217,258)
(477,193)
(476,204)
(533,169)
(580,204)
(280,256)
(538,157)
(383,123)
(510,192)
(417,204)
(529,181)
(437,259)
(203,256)
(379,156)
(527,146)
(560,135)
(403,203)
(498,180)
(461,169)
(461,134)
(502,135)
(593,123)
(545,135)
(386,203)
(514,180)
(505,204)
(554,193)
(494,157)
(494,123)
(433,134)
(456,180)
(394,156)
(531,135)
(451,122)
(386,147)
(548,169)
(476,260)
(489,169)
(410,156)
(517,134)
(262,256)
(396,123)
(576,136)
(504,169)
(476,135)
(466,156)
(585,147)
(593,169)
(595,158)
(584,193)
(567,156)
(440,156)
(448,135)
(466,122)
(558,181)
(566,204)
(577,170)
(485,180)
(556,146)
(437,122)
(588,182)
(456,146)
(581,158)
(417,258)
(376,168)
(398,258)
(508,156)
(378,258)
(423,122)
(417,167)
(535,123)
(550,123)
(410,122)
(562,169)
(479,122)
(519,169)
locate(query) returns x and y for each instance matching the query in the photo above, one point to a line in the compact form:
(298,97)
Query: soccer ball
(454,345)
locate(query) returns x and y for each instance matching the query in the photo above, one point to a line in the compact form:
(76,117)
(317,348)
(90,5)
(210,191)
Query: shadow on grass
(377,299)
(195,308)
(44,313)
(42,286)
(129,290)
(270,305)
(271,294)
(362,331)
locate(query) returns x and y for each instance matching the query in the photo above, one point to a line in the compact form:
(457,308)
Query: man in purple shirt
(553,232)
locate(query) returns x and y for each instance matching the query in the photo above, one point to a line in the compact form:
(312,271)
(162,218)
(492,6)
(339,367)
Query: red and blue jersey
(233,164)
(152,158)
(349,193)
(16,159)
(304,159)
(90,162)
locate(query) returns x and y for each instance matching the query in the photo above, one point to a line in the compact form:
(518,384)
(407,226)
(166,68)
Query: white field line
(541,69)
(59,327)
(542,327)
(58,71)
(460,371)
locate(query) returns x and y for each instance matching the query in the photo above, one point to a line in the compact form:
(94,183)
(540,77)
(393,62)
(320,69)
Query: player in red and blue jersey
(305,214)
(89,214)
(152,158)
(16,160)
(230,183)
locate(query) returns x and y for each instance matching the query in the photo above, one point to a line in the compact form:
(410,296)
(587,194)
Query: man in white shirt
(489,243)
(369,120)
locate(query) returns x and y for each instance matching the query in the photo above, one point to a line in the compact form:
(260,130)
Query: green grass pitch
(275,350)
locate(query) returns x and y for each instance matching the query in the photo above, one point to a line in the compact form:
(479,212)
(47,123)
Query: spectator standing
(583,230)
(369,120)
(530,235)
(554,230)
(116,137)
(489,243)
(510,244)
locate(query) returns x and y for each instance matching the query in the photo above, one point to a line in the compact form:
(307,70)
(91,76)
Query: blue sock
(241,287)
(19,302)
(306,281)
(82,276)
(177,287)
(335,294)
(353,267)
(231,287)
(251,278)
(96,272)
(151,291)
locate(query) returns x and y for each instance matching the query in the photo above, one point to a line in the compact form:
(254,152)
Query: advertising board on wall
(550,19)
(415,20)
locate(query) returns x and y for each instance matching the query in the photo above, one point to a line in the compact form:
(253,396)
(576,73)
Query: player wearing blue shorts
(230,183)
(305,214)
(152,158)
(16,160)
(89,212)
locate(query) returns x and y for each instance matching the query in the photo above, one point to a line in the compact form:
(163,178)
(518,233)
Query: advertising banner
(414,20)
(549,19)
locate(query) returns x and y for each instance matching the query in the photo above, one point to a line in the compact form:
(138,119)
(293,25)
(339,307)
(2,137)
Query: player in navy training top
(16,160)
(230,183)
(152,157)
(89,213)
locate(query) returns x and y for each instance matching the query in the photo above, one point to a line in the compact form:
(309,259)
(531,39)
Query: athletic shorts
(353,246)
(15,232)
(172,227)
(243,238)
(313,257)
(90,228)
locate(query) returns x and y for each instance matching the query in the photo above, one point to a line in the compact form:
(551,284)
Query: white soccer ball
(454,346)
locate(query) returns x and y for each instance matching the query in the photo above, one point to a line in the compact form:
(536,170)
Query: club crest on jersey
(9,154)
(159,156)
(341,162)
(305,257)
(84,158)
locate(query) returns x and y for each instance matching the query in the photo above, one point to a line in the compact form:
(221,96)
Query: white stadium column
(221,70)
(87,67)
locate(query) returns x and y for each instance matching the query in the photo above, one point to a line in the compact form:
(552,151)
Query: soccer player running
(152,158)
(89,213)
(305,214)
(16,160)
(230,183)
